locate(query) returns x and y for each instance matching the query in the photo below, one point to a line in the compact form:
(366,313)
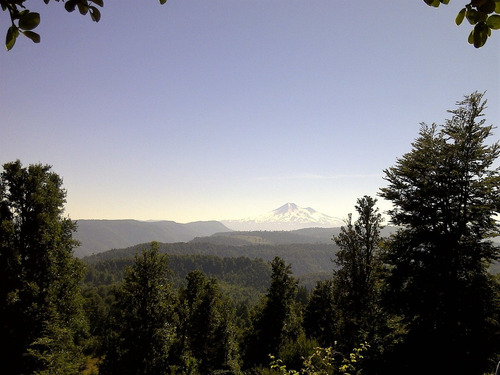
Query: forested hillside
(96,236)
(304,258)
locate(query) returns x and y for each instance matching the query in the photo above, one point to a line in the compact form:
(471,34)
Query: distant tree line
(421,301)
(318,257)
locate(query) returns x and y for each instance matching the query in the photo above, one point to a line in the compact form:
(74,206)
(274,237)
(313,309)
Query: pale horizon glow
(224,110)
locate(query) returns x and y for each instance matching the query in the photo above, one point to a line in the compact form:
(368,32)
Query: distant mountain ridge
(96,236)
(287,217)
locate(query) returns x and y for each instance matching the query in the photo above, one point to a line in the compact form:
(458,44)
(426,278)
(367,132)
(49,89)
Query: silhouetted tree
(445,194)
(355,290)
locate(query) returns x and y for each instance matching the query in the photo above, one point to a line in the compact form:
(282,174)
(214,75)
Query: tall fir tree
(445,194)
(40,300)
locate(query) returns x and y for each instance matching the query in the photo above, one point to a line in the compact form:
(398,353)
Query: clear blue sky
(225,109)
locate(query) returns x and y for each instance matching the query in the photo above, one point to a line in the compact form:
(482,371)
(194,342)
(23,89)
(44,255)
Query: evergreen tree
(206,330)
(445,194)
(320,319)
(142,319)
(40,300)
(355,281)
(275,323)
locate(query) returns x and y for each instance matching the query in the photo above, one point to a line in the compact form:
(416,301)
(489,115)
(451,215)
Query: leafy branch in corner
(484,15)
(24,22)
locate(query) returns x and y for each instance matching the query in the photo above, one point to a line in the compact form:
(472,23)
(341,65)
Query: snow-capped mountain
(287,217)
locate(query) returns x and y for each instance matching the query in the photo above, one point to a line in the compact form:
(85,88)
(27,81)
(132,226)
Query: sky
(227,109)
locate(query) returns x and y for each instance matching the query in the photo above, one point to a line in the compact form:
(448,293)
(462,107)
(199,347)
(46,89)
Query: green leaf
(163,2)
(83,7)
(460,16)
(98,2)
(29,21)
(497,7)
(471,15)
(480,34)
(471,37)
(32,35)
(433,3)
(487,7)
(95,14)
(10,39)
(70,6)
(493,22)
(445,1)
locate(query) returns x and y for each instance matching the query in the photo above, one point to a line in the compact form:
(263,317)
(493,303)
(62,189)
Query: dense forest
(420,301)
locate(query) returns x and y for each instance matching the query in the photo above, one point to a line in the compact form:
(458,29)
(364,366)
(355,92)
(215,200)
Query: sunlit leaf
(471,37)
(32,35)
(493,22)
(29,21)
(10,39)
(497,7)
(95,14)
(460,16)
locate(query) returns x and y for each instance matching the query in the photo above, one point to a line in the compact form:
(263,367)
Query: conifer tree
(275,323)
(206,331)
(356,295)
(446,195)
(142,319)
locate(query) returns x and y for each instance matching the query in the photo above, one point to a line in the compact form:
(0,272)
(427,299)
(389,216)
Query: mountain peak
(287,217)
(286,208)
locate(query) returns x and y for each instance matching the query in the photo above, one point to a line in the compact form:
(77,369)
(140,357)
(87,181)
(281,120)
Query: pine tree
(40,300)
(445,194)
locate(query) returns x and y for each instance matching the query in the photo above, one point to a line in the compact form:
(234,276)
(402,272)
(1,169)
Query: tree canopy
(446,198)
(40,300)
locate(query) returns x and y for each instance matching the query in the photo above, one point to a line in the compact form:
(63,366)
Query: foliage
(355,282)
(325,361)
(23,21)
(142,328)
(445,195)
(206,330)
(320,316)
(40,300)
(305,258)
(275,322)
(484,15)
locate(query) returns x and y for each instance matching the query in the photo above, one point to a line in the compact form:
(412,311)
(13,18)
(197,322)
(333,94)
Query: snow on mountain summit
(291,213)
(287,217)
